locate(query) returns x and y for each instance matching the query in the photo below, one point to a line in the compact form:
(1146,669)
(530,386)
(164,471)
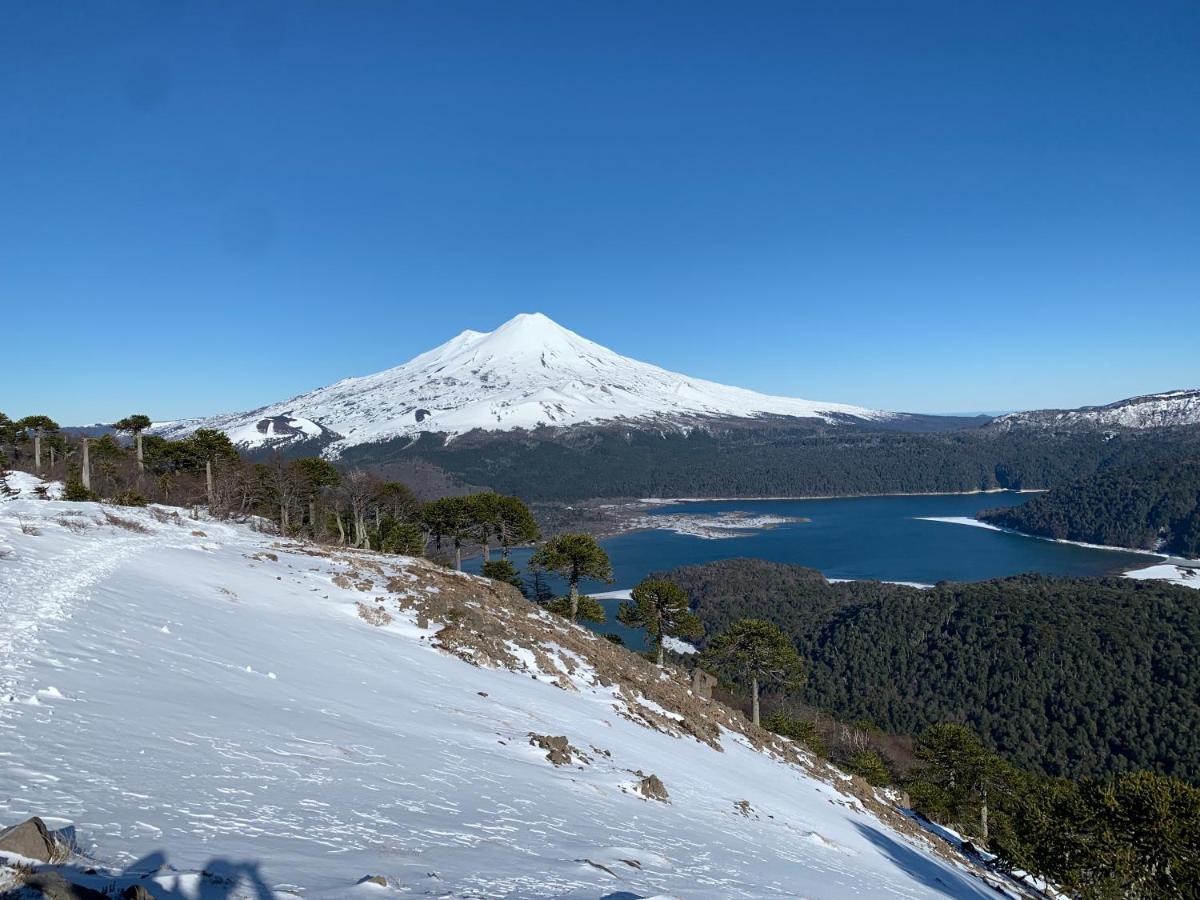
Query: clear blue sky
(918,206)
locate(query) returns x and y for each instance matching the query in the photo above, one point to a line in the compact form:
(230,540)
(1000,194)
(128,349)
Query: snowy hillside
(205,705)
(1151,411)
(527,373)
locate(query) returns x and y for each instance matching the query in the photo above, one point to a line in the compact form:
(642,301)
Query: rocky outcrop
(30,839)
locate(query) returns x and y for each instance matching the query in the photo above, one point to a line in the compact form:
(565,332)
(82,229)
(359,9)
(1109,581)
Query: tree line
(307,497)
(800,460)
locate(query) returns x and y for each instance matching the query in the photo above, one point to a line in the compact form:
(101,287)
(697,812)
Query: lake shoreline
(662,501)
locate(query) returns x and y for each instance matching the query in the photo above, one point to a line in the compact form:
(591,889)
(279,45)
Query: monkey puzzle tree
(38,427)
(135,425)
(514,524)
(449,517)
(661,607)
(757,652)
(575,557)
(316,475)
(208,447)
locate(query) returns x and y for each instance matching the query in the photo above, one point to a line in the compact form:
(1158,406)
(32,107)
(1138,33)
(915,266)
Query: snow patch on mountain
(528,373)
(1164,410)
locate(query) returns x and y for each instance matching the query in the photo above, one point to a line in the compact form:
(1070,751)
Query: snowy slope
(1150,411)
(527,373)
(190,696)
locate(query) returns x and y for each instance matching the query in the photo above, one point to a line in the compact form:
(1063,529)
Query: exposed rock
(52,886)
(136,892)
(30,838)
(558,749)
(373,879)
(652,788)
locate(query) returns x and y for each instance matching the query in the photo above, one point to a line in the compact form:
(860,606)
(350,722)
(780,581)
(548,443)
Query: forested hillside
(791,461)
(1152,507)
(1063,676)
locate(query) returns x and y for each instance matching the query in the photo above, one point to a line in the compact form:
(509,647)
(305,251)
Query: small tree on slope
(661,607)
(757,652)
(575,557)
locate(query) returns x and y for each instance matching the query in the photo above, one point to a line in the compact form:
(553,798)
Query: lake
(881,538)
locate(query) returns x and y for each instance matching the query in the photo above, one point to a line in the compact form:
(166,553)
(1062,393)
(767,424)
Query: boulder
(52,886)
(373,879)
(558,749)
(136,892)
(652,788)
(30,838)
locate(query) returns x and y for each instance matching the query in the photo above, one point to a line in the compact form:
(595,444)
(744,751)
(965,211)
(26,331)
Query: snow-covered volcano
(528,373)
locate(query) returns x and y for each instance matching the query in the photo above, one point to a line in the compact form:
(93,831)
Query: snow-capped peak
(528,373)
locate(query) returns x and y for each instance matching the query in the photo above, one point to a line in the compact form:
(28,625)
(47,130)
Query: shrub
(77,493)
(870,765)
(129,497)
(504,571)
(802,730)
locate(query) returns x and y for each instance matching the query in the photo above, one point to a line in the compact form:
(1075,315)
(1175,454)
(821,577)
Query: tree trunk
(51,456)
(37,452)
(138,437)
(341,529)
(283,519)
(661,636)
(85,470)
(574,600)
(754,694)
(208,481)
(458,555)
(487,552)
(312,516)
(983,818)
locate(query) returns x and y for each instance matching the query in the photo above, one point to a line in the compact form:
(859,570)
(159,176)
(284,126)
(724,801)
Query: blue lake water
(862,537)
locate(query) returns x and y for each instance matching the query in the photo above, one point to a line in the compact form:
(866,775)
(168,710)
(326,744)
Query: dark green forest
(1152,506)
(1062,676)
(775,461)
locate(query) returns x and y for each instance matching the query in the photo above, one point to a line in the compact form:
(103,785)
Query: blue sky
(919,206)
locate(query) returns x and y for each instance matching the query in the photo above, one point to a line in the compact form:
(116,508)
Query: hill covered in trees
(1062,676)
(774,460)
(1151,507)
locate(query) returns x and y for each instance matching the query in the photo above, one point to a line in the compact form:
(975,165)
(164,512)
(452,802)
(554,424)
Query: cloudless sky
(926,206)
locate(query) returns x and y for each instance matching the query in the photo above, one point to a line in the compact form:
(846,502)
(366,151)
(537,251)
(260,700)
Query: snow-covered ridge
(290,718)
(1163,410)
(528,373)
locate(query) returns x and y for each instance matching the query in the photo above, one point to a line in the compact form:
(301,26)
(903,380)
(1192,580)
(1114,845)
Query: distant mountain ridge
(529,373)
(1164,410)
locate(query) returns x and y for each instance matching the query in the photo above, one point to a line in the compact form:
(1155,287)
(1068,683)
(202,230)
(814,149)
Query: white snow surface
(1183,575)
(529,372)
(1162,410)
(186,703)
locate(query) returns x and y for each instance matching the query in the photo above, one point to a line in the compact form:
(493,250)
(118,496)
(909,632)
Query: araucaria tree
(449,517)
(957,776)
(575,557)
(210,447)
(38,427)
(661,607)
(755,652)
(135,425)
